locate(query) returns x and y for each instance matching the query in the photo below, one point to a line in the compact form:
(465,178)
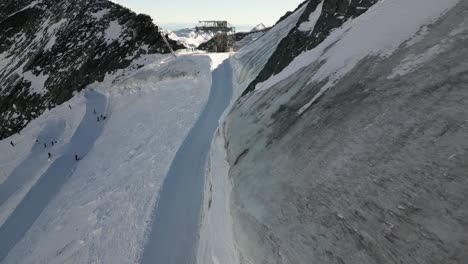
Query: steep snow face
(318,20)
(217,244)
(250,60)
(356,151)
(50,49)
(189,37)
(100,208)
(249,38)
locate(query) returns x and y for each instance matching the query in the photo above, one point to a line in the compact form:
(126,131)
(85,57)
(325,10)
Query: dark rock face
(49,49)
(334,14)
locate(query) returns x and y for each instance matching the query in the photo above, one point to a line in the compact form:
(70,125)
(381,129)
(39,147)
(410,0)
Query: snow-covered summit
(258,27)
(190,37)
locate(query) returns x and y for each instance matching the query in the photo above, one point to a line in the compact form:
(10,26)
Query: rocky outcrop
(50,49)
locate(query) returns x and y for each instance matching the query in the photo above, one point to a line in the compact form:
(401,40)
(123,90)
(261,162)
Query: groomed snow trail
(49,184)
(176,218)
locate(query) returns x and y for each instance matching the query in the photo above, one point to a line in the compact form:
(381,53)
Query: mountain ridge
(61,48)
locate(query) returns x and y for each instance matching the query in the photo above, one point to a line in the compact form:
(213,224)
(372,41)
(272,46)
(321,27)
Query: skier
(37,141)
(69,106)
(45,145)
(49,156)
(12,144)
(52,143)
(98,118)
(94,111)
(76,157)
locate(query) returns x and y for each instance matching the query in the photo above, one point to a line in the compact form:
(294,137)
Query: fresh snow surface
(100,14)
(51,31)
(113,32)
(4,61)
(98,210)
(313,18)
(37,82)
(378,32)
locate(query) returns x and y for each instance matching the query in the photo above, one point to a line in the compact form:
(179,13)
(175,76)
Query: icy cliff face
(49,49)
(351,145)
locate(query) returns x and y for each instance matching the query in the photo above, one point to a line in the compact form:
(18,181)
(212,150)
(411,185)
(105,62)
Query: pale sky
(189,12)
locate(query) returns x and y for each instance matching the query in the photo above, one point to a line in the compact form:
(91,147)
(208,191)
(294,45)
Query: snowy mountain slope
(102,206)
(352,152)
(189,37)
(50,49)
(251,59)
(317,21)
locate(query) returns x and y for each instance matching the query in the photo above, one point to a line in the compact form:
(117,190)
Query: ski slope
(100,208)
(176,218)
(13,230)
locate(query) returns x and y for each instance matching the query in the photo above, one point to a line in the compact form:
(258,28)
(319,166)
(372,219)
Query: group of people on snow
(100,117)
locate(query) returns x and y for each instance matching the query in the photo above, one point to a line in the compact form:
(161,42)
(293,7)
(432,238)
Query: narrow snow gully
(176,218)
(50,183)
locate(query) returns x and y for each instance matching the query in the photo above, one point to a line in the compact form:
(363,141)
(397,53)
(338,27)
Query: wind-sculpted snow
(371,169)
(50,49)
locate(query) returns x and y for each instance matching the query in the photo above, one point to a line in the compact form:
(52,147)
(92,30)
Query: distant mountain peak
(258,27)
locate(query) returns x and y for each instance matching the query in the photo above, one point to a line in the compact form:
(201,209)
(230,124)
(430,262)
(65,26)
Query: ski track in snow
(176,218)
(49,184)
